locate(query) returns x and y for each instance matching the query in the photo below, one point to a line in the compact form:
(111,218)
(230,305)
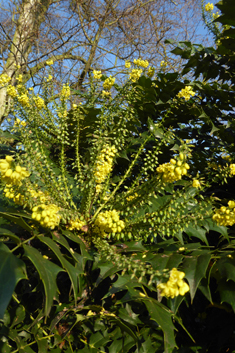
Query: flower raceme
(39,102)
(4,79)
(175,285)
(104,163)
(186,93)
(173,171)
(76,224)
(11,174)
(109,222)
(225,216)
(47,215)
(135,74)
(141,63)
(97,74)
(108,83)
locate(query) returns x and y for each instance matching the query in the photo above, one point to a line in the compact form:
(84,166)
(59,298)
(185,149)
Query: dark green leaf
(47,272)
(12,270)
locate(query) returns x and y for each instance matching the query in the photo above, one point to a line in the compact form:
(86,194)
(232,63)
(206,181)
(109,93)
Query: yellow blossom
(209,7)
(135,74)
(65,92)
(175,285)
(76,224)
(24,99)
(106,94)
(127,64)
(20,78)
(4,79)
(163,64)
(49,78)
(104,163)
(50,62)
(47,215)
(109,222)
(172,171)
(97,74)
(196,183)
(108,83)
(11,174)
(11,91)
(141,63)
(225,216)
(39,102)
(232,169)
(151,71)
(186,93)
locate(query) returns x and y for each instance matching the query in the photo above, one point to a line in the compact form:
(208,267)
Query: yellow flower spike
(97,74)
(127,64)
(11,91)
(135,74)
(108,83)
(209,7)
(39,102)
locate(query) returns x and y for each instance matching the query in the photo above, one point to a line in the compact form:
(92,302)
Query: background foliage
(72,291)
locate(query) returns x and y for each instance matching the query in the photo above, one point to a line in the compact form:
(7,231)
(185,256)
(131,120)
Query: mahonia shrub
(99,202)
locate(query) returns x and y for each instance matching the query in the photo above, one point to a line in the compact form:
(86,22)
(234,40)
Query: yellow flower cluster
(175,285)
(225,216)
(76,224)
(173,171)
(163,64)
(20,123)
(97,74)
(196,183)
(20,78)
(108,83)
(106,94)
(151,71)
(11,91)
(65,92)
(141,63)
(4,79)
(135,74)
(127,64)
(24,99)
(186,93)
(109,222)
(104,163)
(209,7)
(47,215)
(11,193)
(50,62)
(39,102)
(232,169)
(9,175)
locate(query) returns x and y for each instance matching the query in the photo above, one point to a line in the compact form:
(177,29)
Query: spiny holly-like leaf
(195,269)
(162,316)
(197,232)
(48,272)
(10,235)
(12,270)
(17,220)
(70,269)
